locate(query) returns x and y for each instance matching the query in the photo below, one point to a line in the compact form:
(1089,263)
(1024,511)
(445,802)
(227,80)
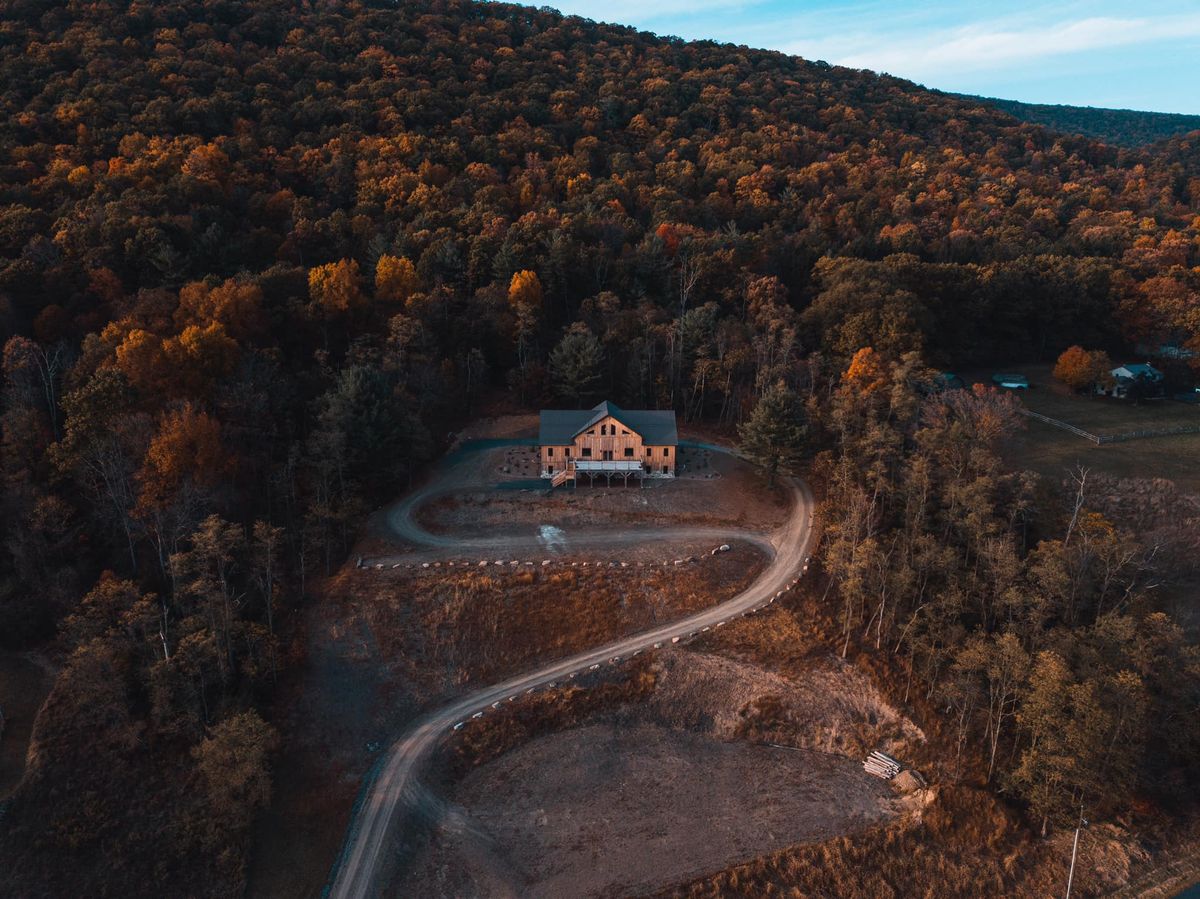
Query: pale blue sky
(1099,53)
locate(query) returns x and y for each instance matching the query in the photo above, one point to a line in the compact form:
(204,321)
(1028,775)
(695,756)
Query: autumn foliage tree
(197,357)
(237,305)
(141,360)
(395,279)
(234,763)
(186,451)
(866,372)
(335,288)
(525,289)
(1079,368)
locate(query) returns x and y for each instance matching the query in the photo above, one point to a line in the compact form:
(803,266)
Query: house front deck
(606,468)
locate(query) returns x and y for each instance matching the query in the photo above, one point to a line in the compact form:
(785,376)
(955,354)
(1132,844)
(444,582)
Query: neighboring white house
(1126,376)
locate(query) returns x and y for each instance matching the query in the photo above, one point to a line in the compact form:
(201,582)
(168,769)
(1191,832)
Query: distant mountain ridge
(1120,127)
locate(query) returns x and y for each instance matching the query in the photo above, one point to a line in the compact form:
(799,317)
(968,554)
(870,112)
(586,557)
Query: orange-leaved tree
(525,289)
(140,359)
(1079,368)
(186,450)
(197,356)
(238,305)
(866,372)
(395,279)
(334,288)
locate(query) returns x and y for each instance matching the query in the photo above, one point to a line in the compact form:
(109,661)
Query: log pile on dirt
(882,766)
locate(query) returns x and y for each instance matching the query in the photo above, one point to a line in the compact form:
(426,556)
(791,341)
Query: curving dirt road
(397,787)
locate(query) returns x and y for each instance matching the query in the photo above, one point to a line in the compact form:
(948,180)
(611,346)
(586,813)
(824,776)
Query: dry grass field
(1053,452)
(1100,414)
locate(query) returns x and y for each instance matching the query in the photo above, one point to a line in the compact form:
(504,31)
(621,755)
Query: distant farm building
(1172,352)
(607,441)
(1137,380)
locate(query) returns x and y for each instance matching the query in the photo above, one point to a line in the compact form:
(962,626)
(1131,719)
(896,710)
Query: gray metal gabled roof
(559,427)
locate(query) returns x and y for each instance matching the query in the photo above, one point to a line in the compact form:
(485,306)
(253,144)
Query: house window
(664,469)
(550,470)
(587,452)
(666,451)
(549,452)
(629,452)
(624,433)
(568,452)
(647,451)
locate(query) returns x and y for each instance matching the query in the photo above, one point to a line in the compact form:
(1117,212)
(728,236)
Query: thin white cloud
(992,45)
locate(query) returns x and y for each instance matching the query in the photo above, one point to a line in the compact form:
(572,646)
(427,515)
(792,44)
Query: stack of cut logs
(882,766)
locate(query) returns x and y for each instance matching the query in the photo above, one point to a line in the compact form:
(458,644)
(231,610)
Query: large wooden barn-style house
(607,441)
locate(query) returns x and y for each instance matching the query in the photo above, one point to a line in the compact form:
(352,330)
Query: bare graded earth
(611,810)
(383,644)
(657,792)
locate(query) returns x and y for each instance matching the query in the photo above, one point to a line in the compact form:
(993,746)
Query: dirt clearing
(384,644)
(681,782)
(609,810)
(505,493)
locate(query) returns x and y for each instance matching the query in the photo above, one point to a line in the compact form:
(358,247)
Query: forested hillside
(1120,127)
(258,259)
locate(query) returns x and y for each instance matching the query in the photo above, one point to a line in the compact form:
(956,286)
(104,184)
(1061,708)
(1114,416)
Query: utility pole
(1074,849)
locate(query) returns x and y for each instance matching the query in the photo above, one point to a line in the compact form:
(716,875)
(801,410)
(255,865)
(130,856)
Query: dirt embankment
(446,629)
(381,645)
(676,783)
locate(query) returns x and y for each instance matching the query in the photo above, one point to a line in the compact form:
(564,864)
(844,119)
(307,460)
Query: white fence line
(1056,423)
(1121,437)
